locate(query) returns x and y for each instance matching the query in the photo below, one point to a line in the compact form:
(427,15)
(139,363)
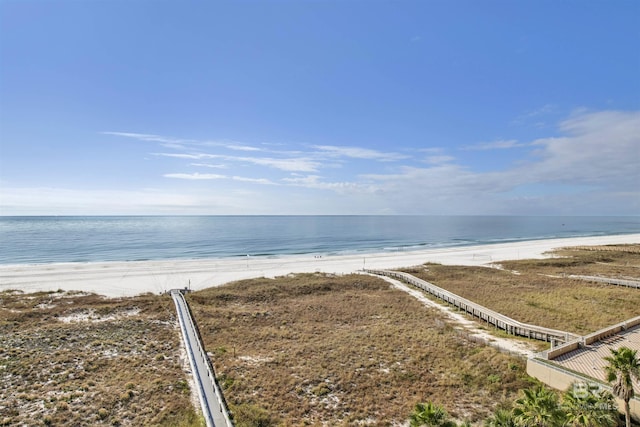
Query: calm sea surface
(132,238)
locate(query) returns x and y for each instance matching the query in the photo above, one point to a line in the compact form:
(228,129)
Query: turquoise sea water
(132,238)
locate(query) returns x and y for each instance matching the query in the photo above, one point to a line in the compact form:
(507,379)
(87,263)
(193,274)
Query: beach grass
(617,261)
(318,349)
(74,359)
(538,291)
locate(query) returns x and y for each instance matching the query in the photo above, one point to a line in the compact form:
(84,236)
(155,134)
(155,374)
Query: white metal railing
(591,338)
(186,321)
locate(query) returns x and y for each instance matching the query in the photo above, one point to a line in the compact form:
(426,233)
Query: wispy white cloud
(208,165)
(182,143)
(587,164)
(262,181)
(359,153)
(495,145)
(210,176)
(299,164)
(442,180)
(229,145)
(598,149)
(196,156)
(195,176)
(168,142)
(146,137)
(284,160)
(242,148)
(595,157)
(316,182)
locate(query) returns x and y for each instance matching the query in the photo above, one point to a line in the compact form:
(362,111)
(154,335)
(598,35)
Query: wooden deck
(589,359)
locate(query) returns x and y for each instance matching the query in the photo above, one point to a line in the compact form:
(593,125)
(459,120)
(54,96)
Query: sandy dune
(131,278)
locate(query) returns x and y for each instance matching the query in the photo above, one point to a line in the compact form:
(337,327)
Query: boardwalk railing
(590,339)
(608,280)
(632,249)
(494,318)
(216,413)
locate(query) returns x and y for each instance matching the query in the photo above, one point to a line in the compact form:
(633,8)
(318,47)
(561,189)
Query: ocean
(36,240)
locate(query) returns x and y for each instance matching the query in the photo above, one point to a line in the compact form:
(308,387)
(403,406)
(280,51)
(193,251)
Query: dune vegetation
(316,349)
(73,359)
(539,291)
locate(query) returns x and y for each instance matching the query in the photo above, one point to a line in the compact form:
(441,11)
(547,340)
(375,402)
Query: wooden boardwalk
(214,408)
(494,318)
(608,280)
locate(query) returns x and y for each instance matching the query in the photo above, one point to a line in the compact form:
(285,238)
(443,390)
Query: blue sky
(320,107)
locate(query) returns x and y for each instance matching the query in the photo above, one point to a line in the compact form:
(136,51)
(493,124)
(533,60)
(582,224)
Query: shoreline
(129,278)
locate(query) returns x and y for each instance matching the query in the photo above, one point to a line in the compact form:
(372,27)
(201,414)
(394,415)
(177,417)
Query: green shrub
(102,413)
(249,415)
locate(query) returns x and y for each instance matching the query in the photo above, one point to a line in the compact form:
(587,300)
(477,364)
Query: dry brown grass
(119,365)
(525,292)
(323,350)
(617,261)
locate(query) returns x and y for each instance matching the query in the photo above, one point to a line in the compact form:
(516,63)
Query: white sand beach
(116,279)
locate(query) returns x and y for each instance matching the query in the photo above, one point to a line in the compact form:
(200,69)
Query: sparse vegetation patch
(315,349)
(69,359)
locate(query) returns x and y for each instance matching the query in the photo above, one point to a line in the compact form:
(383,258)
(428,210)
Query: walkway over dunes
(214,408)
(608,281)
(496,319)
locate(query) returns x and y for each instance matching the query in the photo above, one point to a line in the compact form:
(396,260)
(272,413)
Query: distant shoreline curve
(128,278)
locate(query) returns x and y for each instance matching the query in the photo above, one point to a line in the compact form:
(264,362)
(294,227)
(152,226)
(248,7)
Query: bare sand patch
(90,315)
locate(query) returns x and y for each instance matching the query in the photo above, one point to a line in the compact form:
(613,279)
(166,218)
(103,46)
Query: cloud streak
(315,182)
(211,176)
(597,156)
(182,143)
(195,176)
(495,145)
(359,153)
(589,157)
(299,164)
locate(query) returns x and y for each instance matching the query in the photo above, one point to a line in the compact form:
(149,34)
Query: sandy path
(521,348)
(131,278)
